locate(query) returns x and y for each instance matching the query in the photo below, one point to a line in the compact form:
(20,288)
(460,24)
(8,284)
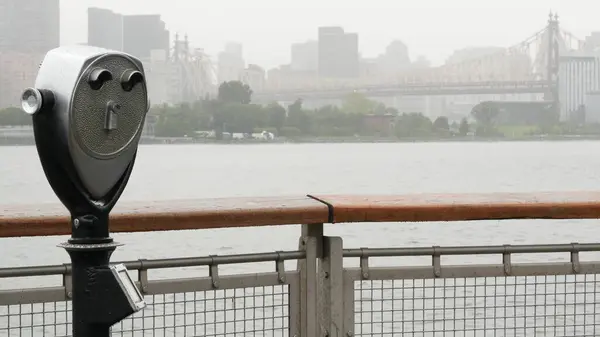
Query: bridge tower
(552,55)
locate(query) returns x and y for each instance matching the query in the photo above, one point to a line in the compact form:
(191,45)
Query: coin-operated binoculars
(88,108)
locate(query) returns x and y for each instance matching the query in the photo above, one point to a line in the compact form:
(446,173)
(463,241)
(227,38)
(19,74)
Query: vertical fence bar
(332,291)
(348,296)
(294,309)
(311,242)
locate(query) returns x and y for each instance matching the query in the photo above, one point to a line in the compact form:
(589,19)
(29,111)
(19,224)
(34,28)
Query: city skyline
(267,29)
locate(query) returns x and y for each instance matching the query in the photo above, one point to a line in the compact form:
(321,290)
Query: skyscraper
(338,53)
(31,26)
(137,35)
(230,63)
(144,33)
(305,56)
(105,28)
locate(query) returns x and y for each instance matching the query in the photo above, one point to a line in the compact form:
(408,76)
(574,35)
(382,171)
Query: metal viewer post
(87,158)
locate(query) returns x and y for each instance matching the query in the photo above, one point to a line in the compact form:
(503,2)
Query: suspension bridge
(531,66)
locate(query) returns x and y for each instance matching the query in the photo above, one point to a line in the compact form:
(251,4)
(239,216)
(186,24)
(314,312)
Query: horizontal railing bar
(472,271)
(50,270)
(472,250)
(195,284)
(180,285)
(215,260)
(297,255)
(32,295)
(157,287)
(19,221)
(462,207)
(161,263)
(152,216)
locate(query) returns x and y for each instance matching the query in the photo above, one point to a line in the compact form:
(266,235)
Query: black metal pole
(90,249)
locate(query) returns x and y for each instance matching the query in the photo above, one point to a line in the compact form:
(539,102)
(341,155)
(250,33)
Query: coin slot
(112,113)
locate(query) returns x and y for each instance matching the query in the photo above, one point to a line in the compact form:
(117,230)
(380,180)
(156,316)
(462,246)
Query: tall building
(255,77)
(105,28)
(578,76)
(338,53)
(137,35)
(31,26)
(18,70)
(230,63)
(305,56)
(144,33)
(395,58)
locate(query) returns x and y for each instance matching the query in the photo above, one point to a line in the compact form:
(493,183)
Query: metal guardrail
(550,299)
(326,296)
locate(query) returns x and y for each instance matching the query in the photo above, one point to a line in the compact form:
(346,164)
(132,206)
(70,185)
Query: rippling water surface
(205,171)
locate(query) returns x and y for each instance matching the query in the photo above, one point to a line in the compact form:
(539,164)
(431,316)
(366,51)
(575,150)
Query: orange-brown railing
(19,221)
(324,295)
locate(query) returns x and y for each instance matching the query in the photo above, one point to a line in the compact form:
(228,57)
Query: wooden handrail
(45,220)
(172,215)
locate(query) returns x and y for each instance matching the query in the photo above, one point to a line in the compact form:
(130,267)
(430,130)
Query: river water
(168,172)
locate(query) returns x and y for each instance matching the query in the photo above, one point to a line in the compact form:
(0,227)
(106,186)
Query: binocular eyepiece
(88,106)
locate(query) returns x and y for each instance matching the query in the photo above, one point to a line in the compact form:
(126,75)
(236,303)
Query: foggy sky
(267,27)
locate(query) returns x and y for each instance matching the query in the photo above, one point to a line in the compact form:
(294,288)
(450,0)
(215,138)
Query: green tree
(235,92)
(463,128)
(413,125)
(178,121)
(298,118)
(357,103)
(276,116)
(485,115)
(441,123)
(441,126)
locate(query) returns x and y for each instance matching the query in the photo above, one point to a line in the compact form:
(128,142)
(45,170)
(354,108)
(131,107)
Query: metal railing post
(311,242)
(331,290)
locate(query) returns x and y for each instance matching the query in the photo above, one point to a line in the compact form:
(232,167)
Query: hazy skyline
(266,28)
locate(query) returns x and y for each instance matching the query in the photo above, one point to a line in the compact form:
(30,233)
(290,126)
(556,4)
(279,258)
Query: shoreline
(331,140)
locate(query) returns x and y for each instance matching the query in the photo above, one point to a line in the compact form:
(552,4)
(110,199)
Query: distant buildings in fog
(305,56)
(333,60)
(27,32)
(230,62)
(137,35)
(29,28)
(338,53)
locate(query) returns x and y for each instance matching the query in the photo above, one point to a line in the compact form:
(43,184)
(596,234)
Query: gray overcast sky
(267,27)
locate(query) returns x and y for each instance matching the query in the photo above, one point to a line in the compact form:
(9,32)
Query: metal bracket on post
(506,261)
(143,277)
(280,268)
(213,272)
(68,282)
(575,265)
(436,261)
(364,264)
